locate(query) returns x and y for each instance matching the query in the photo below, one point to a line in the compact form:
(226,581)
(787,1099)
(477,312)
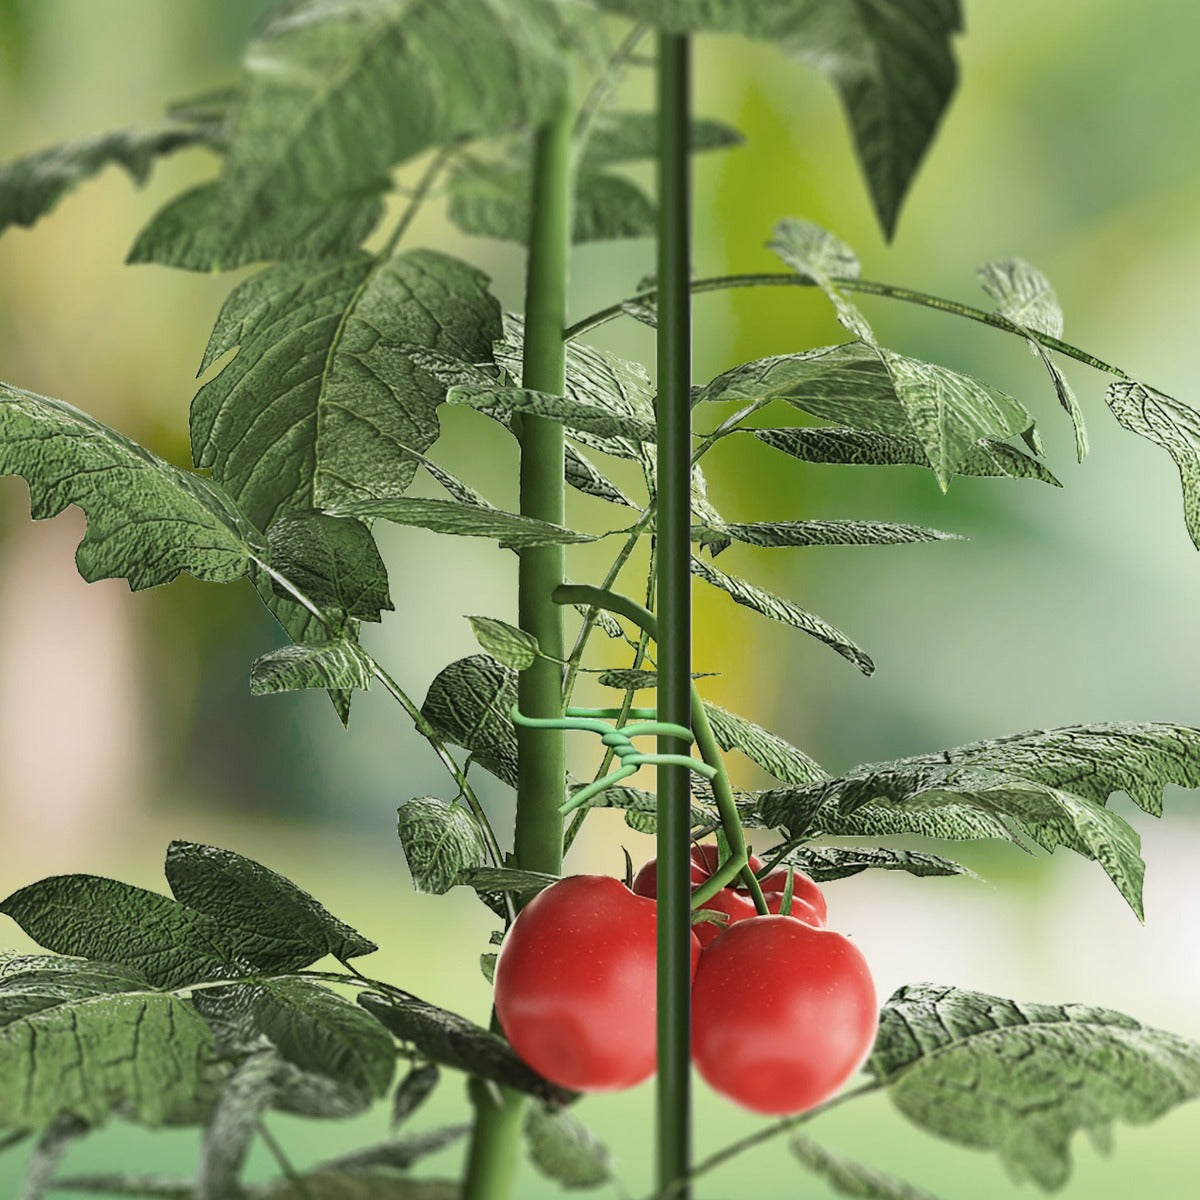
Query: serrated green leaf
(336,94)
(492,200)
(579,417)
(147,520)
(1022,294)
(324,1034)
(849,1178)
(506,643)
(114,922)
(413,1090)
(775,755)
(337,665)
(233,1125)
(778,609)
(452,1041)
(855,447)
(562,1149)
(275,922)
(1049,786)
(468,703)
(139,1054)
(328,396)
(440,842)
(32,186)
(819,533)
(623,136)
(1021,1079)
(189,232)
(1168,423)
(334,561)
(825,863)
(465,520)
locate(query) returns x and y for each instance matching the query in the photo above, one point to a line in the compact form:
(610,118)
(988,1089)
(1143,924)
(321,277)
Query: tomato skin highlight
(782,1014)
(576,984)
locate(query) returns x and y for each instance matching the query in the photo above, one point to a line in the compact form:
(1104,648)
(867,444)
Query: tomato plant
(575,984)
(318,421)
(782,1013)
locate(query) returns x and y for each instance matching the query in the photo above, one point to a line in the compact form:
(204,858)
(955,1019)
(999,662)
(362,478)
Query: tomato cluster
(783,1010)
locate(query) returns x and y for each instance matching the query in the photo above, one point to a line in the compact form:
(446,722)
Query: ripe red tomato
(782,1014)
(576,984)
(808,902)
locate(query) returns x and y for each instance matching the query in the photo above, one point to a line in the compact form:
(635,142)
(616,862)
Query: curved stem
(868,287)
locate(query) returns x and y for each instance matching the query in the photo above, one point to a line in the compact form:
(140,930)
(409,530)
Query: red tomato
(704,863)
(808,902)
(804,892)
(576,984)
(782,1014)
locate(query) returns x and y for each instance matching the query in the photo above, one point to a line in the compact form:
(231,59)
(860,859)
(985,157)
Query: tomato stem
(673,544)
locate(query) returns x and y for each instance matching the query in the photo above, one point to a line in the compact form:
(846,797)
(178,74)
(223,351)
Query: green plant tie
(620,738)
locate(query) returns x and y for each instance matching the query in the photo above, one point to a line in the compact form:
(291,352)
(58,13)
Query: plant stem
(674,658)
(493,1156)
(868,287)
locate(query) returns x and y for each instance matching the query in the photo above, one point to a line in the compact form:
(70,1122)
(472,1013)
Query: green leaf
(820,533)
(492,200)
(413,1090)
(820,256)
(629,679)
(32,982)
(1168,423)
(775,755)
(1049,786)
(506,879)
(849,1178)
(334,561)
(114,922)
(465,520)
(778,609)
(328,394)
(233,1125)
(147,520)
(324,1034)
(335,95)
(275,922)
(1023,295)
(141,1055)
(339,665)
(469,703)
(506,643)
(196,231)
(621,136)
(562,1149)
(578,416)
(440,842)
(1021,1079)
(583,476)
(854,447)
(453,1041)
(32,186)
(824,863)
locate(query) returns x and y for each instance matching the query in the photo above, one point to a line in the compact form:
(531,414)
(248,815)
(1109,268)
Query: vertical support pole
(673,533)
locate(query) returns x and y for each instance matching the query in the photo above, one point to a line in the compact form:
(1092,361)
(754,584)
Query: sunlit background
(126,719)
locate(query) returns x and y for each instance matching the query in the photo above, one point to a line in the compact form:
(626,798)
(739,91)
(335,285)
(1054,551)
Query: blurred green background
(126,719)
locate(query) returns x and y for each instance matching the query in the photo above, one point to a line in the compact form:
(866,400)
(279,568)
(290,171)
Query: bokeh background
(125,719)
